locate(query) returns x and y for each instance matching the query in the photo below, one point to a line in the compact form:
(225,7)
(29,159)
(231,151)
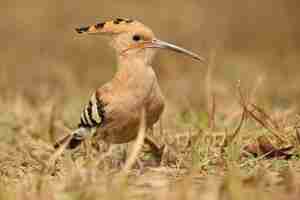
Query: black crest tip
(82,29)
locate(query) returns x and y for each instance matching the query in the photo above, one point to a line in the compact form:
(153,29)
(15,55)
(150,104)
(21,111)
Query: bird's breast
(154,105)
(124,105)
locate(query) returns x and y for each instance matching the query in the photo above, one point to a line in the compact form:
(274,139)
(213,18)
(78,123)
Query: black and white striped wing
(92,115)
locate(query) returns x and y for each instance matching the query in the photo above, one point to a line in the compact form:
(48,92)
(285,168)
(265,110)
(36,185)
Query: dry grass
(229,162)
(231,132)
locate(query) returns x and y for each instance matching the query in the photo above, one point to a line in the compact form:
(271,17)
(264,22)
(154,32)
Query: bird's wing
(112,112)
(107,105)
(93,113)
(92,117)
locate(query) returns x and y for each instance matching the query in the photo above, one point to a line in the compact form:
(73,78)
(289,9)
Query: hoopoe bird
(113,111)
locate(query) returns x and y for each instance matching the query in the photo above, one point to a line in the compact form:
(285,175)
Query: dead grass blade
(242,98)
(266,126)
(259,115)
(229,138)
(138,144)
(52,123)
(210,96)
(161,127)
(267,117)
(297,135)
(212,113)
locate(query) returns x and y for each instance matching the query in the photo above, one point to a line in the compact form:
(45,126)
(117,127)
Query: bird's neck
(132,66)
(134,71)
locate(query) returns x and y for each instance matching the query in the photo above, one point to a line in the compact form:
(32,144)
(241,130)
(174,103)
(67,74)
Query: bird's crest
(117,25)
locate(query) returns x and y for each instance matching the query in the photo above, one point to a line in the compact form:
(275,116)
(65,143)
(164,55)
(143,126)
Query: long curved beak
(155,43)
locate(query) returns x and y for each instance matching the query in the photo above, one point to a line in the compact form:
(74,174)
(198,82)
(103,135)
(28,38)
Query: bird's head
(132,39)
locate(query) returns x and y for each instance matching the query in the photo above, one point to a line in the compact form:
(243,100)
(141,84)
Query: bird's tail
(77,137)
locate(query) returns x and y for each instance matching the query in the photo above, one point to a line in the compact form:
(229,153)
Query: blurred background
(256,42)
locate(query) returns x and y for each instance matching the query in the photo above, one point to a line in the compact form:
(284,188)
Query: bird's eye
(136,38)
